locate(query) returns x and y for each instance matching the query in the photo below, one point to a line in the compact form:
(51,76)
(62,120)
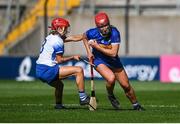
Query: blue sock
(82,95)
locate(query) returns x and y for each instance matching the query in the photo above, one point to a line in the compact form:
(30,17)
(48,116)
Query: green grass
(34,102)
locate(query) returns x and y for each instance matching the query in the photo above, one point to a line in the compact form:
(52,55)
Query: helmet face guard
(102,22)
(105,30)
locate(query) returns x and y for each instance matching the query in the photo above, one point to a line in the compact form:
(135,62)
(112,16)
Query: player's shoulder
(55,39)
(92,33)
(115,31)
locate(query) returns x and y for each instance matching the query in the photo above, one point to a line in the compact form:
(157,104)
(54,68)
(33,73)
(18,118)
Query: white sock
(135,104)
(82,95)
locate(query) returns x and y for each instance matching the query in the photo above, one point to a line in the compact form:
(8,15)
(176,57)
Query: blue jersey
(101,58)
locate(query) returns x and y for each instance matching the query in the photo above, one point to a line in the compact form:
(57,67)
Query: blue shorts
(47,73)
(113,63)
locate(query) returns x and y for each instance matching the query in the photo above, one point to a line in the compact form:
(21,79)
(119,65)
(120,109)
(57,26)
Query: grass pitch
(34,101)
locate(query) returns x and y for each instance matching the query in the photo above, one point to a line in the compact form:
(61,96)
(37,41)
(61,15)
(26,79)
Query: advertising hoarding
(23,68)
(170,68)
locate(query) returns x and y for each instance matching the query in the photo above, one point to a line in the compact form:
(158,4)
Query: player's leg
(123,80)
(50,76)
(66,71)
(59,86)
(109,76)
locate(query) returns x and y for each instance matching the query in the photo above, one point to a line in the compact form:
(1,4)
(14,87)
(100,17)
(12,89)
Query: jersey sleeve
(58,47)
(90,34)
(116,38)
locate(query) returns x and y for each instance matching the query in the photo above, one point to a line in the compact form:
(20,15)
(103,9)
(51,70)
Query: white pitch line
(162,106)
(29,104)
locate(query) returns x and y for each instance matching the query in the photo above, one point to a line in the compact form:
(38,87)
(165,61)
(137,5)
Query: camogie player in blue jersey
(105,42)
(48,65)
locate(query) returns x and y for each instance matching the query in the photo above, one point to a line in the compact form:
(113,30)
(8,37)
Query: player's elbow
(59,61)
(113,54)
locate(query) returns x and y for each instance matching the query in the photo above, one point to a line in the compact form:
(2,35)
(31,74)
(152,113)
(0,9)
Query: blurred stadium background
(151,26)
(149,29)
(149,50)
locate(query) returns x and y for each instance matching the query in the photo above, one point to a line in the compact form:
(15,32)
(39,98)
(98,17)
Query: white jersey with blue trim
(52,45)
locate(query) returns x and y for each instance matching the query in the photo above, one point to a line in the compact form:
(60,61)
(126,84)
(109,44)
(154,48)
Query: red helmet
(101,19)
(59,22)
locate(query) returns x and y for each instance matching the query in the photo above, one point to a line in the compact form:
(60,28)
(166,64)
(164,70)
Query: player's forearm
(86,46)
(74,38)
(65,59)
(108,52)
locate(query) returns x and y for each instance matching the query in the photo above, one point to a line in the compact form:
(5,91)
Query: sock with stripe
(135,104)
(82,95)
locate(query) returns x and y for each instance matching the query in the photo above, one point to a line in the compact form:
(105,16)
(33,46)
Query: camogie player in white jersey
(48,68)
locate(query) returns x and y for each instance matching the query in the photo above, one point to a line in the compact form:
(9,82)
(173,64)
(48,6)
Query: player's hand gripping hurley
(86,61)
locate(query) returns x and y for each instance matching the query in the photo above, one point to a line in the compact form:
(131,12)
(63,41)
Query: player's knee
(126,87)
(79,69)
(60,85)
(111,79)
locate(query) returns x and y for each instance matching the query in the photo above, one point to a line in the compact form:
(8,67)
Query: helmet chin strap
(105,35)
(61,31)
